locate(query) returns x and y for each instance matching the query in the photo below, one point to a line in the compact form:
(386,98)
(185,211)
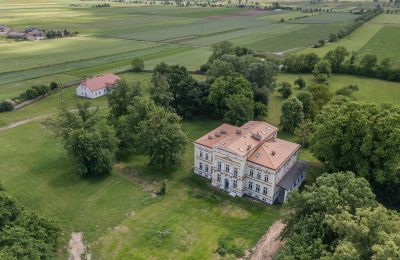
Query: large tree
(187,94)
(91,143)
(220,49)
(306,98)
(292,114)
(161,137)
(363,138)
(338,218)
(336,57)
(223,88)
(261,74)
(220,68)
(240,110)
(121,98)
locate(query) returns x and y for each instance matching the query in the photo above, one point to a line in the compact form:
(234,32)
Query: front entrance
(226,184)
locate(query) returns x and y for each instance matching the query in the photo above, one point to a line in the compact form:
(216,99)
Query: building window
(206,156)
(218,177)
(257,187)
(206,167)
(219,166)
(235,172)
(234,183)
(251,172)
(265,190)
(201,154)
(266,177)
(227,168)
(258,175)
(250,185)
(201,165)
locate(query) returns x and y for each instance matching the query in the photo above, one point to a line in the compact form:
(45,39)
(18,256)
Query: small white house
(97,86)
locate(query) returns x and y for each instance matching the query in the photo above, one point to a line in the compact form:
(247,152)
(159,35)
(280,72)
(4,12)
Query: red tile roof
(255,140)
(99,82)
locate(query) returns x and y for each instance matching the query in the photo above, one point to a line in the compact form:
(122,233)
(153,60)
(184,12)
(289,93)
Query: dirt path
(28,120)
(23,122)
(77,249)
(269,244)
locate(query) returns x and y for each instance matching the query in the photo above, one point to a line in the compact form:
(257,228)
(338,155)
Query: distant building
(34,34)
(16,35)
(29,34)
(4,29)
(97,86)
(249,160)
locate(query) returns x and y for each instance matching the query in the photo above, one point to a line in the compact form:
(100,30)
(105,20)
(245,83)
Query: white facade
(84,91)
(238,176)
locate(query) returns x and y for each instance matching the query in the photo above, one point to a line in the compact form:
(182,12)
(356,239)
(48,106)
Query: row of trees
(24,234)
(340,60)
(338,218)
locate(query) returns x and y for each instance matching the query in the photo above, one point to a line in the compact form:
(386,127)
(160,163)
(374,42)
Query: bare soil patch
(269,244)
(77,249)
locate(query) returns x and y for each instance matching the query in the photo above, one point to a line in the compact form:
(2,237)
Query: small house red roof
(99,82)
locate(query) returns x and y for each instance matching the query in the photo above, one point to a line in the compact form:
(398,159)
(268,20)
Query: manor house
(249,160)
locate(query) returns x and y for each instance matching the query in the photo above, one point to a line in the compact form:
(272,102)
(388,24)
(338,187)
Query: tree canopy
(338,218)
(363,138)
(91,143)
(292,114)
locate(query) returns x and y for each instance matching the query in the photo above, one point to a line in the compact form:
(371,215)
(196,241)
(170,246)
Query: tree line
(340,60)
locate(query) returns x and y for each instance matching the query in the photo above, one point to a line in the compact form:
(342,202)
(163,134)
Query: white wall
(83,91)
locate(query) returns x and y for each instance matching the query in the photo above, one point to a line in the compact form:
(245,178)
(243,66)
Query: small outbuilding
(4,29)
(97,86)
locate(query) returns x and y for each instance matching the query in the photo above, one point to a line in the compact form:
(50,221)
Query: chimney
(238,131)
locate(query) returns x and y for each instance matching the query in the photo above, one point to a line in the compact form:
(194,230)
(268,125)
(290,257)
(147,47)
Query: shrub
(53,85)
(285,90)
(322,78)
(163,189)
(347,91)
(300,82)
(6,106)
(227,245)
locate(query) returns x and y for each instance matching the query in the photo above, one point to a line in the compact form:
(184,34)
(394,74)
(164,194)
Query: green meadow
(379,36)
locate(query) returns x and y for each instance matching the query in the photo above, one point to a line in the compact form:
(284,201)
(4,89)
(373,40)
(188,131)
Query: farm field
(378,36)
(109,38)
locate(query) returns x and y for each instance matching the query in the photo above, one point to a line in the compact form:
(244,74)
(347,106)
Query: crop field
(109,38)
(379,36)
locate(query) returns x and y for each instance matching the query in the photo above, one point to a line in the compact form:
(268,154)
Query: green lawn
(116,214)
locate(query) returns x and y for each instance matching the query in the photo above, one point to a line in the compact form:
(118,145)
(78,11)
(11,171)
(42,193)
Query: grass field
(370,90)
(111,37)
(379,36)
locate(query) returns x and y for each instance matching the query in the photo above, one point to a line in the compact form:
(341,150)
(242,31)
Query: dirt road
(269,244)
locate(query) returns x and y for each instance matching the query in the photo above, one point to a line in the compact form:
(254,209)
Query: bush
(204,68)
(163,189)
(53,85)
(347,91)
(285,90)
(6,106)
(322,78)
(227,245)
(137,65)
(300,82)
